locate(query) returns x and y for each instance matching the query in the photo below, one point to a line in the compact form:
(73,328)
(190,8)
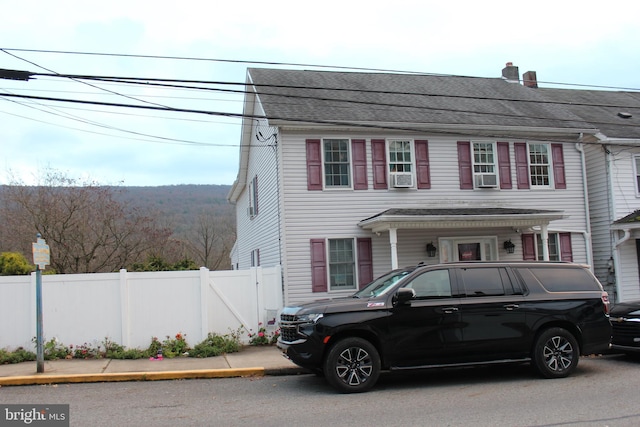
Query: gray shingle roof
(406,98)
(600,108)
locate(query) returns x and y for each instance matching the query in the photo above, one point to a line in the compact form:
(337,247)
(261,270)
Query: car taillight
(605,301)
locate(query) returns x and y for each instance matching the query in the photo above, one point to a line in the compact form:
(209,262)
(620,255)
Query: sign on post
(41,258)
(41,255)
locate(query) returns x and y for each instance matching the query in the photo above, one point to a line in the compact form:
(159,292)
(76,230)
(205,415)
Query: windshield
(382,284)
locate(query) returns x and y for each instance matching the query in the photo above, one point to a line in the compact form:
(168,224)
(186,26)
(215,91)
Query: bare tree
(86,229)
(212,239)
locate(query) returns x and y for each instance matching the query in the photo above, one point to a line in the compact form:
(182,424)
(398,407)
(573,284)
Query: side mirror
(403,295)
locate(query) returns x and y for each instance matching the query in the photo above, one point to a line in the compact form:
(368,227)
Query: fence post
(125,318)
(204,303)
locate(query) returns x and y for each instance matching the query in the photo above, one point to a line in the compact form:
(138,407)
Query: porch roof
(629,222)
(442,218)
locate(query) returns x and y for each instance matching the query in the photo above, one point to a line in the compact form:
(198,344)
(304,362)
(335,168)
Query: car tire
(352,365)
(555,353)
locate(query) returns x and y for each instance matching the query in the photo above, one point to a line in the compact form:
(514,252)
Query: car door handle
(449,310)
(511,307)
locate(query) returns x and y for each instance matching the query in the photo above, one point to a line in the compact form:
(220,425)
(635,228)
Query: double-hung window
(252,210)
(484,164)
(540,168)
(342,272)
(554,247)
(636,160)
(401,163)
(337,165)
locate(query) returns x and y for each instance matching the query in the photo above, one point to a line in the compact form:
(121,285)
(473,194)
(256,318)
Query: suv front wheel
(555,353)
(352,365)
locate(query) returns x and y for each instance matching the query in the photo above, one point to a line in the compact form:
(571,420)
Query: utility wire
(146,81)
(369,103)
(291,64)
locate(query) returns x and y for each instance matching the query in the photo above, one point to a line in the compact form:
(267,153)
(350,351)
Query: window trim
(349,163)
(252,209)
(412,163)
(636,173)
(495,164)
(549,165)
(354,264)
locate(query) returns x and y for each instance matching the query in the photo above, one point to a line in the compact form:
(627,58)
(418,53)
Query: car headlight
(309,318)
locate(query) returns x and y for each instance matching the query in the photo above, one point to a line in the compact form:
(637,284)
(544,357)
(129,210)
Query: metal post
(39,349)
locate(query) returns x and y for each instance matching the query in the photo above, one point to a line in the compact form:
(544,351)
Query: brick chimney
(529,79)
(511,73)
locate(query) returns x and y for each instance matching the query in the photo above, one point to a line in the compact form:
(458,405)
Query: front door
(468,249)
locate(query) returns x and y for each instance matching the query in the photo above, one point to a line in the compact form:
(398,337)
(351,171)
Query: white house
(346,175)
(613,172)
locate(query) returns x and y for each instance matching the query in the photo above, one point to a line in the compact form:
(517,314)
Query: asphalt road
(602,392)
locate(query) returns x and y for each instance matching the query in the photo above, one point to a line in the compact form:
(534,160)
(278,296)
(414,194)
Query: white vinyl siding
(259,232)
(335,214)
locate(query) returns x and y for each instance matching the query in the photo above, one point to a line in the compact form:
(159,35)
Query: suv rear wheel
(555,353)
(352,365)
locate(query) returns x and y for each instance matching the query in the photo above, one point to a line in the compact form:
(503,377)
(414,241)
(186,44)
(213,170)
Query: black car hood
(336,305)
(624,308)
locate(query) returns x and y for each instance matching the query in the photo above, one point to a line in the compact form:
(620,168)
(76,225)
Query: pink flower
(261,334)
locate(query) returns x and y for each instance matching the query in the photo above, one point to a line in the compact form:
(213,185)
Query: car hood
(626,308)
(336,305)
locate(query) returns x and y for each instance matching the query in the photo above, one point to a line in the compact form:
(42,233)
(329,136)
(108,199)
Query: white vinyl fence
(131,308)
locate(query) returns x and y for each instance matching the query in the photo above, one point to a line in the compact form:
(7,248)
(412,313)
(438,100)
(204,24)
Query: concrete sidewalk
(250,361)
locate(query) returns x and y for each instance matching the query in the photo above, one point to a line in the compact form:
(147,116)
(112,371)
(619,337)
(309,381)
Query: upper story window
(539,165)
(253,197)
(484,165)
(401,165)
(337,165)
(637,171)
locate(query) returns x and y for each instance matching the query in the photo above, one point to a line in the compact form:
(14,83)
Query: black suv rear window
(561,279)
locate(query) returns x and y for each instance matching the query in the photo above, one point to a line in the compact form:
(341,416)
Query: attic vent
(624,115)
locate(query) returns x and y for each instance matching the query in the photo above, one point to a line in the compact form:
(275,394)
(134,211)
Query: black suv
(456,314)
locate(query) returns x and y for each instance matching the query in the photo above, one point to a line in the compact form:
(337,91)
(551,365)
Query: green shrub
(17,356)
(215,345)
(14,264)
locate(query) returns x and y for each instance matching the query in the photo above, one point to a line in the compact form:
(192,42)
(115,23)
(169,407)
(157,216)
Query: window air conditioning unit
(402,180)
(486,180)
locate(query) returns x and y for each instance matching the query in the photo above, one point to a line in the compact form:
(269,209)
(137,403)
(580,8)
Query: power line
(290,64)
(145,81)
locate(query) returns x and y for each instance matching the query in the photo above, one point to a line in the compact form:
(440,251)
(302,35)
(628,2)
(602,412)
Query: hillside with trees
(93,228)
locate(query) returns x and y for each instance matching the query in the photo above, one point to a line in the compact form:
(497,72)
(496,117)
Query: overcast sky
(570,42)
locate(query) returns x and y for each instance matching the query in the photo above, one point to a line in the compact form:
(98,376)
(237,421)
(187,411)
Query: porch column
(393,240)
(545,242)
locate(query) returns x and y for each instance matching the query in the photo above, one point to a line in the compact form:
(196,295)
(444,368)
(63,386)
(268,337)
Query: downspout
(616,261)
(587,232)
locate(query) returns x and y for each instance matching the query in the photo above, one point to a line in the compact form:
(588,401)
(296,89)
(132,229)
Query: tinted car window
(484,282)
(561,279)
(434,283)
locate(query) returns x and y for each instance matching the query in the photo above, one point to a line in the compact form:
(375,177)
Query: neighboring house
(613,173)
(344,176)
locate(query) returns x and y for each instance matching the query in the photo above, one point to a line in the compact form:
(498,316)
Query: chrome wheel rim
(558,354)
(354,366)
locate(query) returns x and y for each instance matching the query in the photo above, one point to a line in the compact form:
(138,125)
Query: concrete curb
(131,376)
